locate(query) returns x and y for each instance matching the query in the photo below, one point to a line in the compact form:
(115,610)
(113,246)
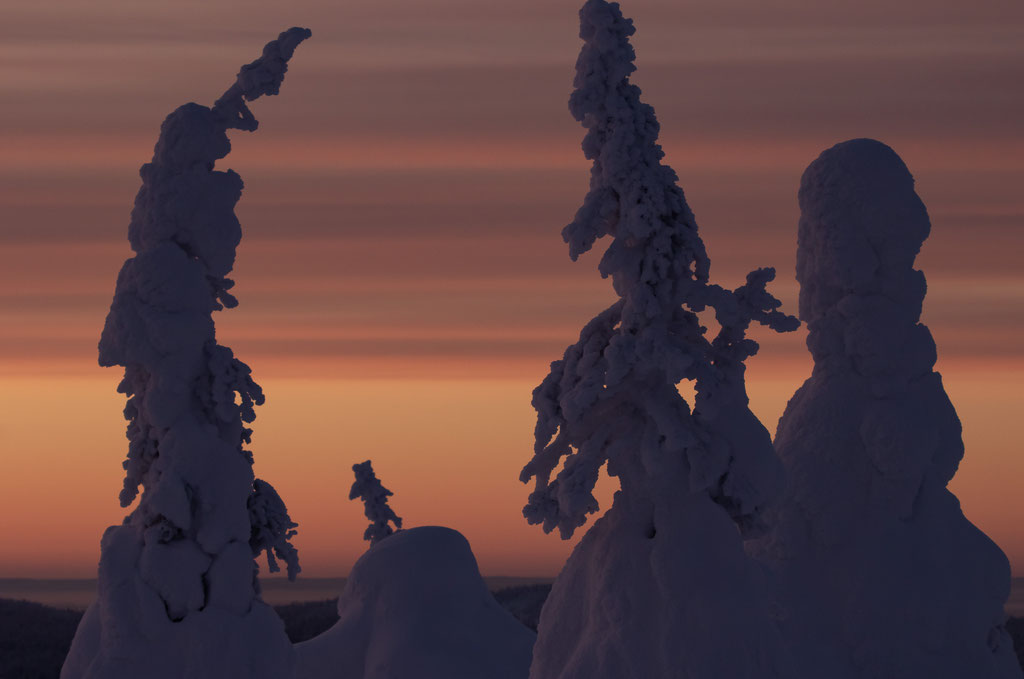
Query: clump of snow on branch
(375,498)
(184,556)
(616,385)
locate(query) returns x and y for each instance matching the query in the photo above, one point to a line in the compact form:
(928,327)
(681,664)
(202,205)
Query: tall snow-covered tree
(880,571)
(178,594)
(368,488)
(659,586)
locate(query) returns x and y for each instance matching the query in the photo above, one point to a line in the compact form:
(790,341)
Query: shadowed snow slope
(881,573)
(679,602)
(415,607)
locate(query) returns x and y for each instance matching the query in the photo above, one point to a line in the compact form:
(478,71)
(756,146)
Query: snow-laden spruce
(415,607)
(178,593)
(881,572)
(368,488)
(660,585)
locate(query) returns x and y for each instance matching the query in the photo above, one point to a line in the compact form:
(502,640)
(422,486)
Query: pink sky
(402,281)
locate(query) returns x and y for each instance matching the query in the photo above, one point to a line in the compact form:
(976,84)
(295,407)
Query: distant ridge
(78,593)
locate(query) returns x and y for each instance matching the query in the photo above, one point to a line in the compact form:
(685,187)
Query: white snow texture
(415,607)
(880,572)
(660,585)
(178,595)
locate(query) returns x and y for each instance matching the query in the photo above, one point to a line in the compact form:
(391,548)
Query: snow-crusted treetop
(375,497)
(614,390)
(851,245)
(263,76)
(861,227)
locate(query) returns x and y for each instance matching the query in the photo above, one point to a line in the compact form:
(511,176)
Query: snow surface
(178,595)
(415,607)
(660,586)
(880,573)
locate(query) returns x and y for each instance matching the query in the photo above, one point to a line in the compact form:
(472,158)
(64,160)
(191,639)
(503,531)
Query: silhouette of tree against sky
(185,553)
(367,487)
(660,585)
(616,387)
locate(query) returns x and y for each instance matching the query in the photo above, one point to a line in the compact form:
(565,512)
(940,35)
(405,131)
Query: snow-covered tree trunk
(660,585)
(178,594)
(882,574)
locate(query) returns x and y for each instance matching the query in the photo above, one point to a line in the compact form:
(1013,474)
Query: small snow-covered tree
(272,529)
(375,498)
(178,595)
(661,579)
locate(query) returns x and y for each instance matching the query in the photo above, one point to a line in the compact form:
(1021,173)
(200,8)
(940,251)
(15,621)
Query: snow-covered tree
(880,571)
(178,595)
(272,529)
(375,498)
(660,585)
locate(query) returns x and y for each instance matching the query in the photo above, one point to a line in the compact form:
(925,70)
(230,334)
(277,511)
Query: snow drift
(415,607)
(881,574)
(178,594)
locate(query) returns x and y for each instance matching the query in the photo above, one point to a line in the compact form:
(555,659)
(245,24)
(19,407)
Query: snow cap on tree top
(861,227)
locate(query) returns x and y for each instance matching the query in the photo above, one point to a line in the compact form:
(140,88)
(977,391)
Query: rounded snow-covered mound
(127,633)
(416,607)
(659,588)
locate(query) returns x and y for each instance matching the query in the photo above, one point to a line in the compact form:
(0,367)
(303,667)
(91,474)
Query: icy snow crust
(415,607)
(660,585)
(178,595)
(880,573)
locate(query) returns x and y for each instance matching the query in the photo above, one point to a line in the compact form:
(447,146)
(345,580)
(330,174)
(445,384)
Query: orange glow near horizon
(402,282)
(450,449)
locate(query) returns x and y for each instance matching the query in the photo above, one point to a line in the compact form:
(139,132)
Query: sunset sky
(402,280)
